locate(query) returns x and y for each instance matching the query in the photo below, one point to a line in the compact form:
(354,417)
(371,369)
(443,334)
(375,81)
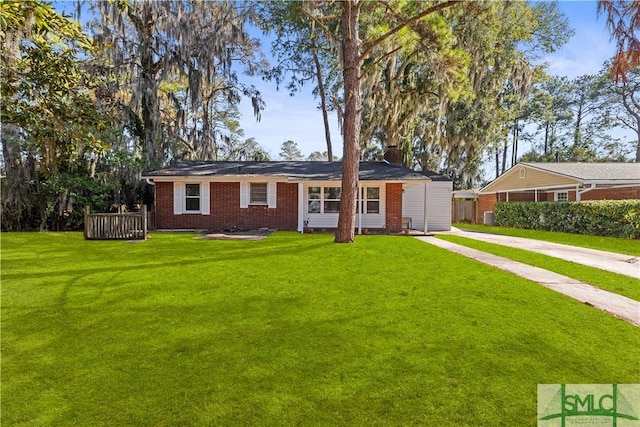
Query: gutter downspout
(580,193)
(426,208)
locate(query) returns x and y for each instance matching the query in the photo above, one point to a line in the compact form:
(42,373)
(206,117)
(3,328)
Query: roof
(592,171)
(294,171)
(545,176)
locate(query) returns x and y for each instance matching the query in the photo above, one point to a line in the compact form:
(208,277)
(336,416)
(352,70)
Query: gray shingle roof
(592,171)
(302,170)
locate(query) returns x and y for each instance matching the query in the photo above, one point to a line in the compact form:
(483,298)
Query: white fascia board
(544,188)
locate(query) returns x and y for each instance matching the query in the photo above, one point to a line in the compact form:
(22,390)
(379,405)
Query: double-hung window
(323,199)
(192,198)
(258,193)
(562,196)
(371,200)
(315,200)
(331,199)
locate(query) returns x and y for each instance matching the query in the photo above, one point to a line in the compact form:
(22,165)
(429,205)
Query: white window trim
(365,199)
(556,196)
(266,201)
(245,194)
(180,198)
(322,199)
(185,197)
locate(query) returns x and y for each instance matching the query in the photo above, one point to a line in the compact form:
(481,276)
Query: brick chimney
(393,155)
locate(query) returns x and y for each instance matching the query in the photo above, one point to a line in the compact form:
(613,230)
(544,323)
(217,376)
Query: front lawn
(291,330)
(610,244)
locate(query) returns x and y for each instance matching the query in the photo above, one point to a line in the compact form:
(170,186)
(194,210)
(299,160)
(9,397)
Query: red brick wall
(487,202)
(394,207)
(225,209)
(612,194)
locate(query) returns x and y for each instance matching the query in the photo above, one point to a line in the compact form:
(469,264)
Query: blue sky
(297,118)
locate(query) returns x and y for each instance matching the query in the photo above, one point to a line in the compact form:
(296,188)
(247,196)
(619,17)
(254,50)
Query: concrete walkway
(614,304)
(616,263)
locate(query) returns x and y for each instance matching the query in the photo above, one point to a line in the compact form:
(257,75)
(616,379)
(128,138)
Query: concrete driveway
(616,263)
(612,303)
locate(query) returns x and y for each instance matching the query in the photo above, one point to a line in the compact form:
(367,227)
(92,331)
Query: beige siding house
(559,182)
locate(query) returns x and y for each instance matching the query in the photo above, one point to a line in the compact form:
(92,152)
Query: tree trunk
(504,154)
(514,146)
(345,233)
(546,137)
(577,132)
(152,155)
(323,103)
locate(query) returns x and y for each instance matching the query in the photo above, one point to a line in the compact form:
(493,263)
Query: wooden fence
(464,210)
(114,226)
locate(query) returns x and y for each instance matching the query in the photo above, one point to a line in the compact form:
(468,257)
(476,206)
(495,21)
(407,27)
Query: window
(323,199)
(562,196)
(192,198)
(315,197)
(327,200)
(258,194)
(372,200)
(332,199)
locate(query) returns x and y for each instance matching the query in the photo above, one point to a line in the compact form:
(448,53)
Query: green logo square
(605,405)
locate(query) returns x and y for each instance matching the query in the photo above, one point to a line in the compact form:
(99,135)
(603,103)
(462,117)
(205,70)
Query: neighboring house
(561,182)
(294,195)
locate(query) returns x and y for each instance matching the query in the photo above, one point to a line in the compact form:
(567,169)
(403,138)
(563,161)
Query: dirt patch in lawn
(237,234)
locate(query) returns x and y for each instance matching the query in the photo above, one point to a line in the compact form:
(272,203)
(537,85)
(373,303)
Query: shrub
(615,218)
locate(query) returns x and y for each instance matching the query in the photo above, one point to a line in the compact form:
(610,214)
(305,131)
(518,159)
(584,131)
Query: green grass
(611,244)
(291,330)
(613,282)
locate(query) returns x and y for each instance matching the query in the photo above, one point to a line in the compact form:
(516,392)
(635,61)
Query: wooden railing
(114,226)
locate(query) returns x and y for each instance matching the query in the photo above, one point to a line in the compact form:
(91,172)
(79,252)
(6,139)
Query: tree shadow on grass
(227,255)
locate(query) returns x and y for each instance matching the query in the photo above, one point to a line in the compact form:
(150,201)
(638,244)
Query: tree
(317,156)
(243,151)
(178,54)
(576,119)
(400,84)
(626,96)
(623,20)
(289,151)
(502,40)
(549,109)
(354,52)
(303,53)
(52,122)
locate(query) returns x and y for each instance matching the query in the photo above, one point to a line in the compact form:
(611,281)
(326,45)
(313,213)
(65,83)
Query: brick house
(297,194)
(558,182)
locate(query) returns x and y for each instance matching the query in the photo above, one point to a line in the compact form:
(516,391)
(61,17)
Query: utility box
(489,218)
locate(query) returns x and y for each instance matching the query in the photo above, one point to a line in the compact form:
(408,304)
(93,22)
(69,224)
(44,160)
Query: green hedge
(615,218)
